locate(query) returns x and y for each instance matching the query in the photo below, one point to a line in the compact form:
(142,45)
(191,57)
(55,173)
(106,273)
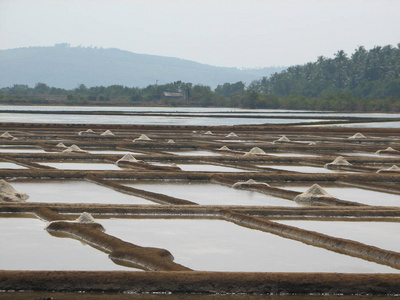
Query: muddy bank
(201,282)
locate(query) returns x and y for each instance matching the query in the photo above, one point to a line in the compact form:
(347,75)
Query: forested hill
(365,74)
(66,67)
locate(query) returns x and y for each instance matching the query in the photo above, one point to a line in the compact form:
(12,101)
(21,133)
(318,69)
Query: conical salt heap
(170,142)
(313,194)
(312,143)
(85,218)
(389,149)
(107,132)
(208,132)
(143,137)
(282,139)
(9,194)
(6,135)
(89,131)
(232,134)
(61,145)
(74,148)
(224,148)
(339,161)
(255,151)
(393,168)
(239,184)
(128,158)
(357,136)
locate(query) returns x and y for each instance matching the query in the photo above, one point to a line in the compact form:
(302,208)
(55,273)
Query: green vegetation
(367,81)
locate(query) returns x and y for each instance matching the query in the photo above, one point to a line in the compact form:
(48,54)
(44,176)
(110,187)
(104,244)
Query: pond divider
(202,282)
(155,197)
(283,193)
(121,252)
(348,247)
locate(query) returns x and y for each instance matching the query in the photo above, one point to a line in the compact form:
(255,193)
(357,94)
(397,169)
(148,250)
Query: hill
(67,67)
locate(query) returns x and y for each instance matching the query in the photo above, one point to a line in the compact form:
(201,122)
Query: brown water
(120,296)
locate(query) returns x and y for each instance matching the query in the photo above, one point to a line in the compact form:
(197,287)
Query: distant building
(168,95)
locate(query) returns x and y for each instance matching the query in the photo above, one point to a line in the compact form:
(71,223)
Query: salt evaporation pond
(384,235)
(292,154)
(301,169)
(212,194)
(356,195)
(64,191)
(214,245)
(26,150)
(83,166)
(195,153)
(7,165)
(28,246)
(208,168)
(121,152)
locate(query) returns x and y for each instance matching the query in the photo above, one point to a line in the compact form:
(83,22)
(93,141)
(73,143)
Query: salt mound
(314,193)
(238,185)
(74,148)
(6,135)
(312,143)
(357,136)
(107,132)
(171,142)
(232,134)
(127,157)
(143,137)
(89,131)
(390,149)
(224,148)
(9,194)
(85,218)
(61,145)
(339,161)
(209,133)
(393,168)
(283,138)
(255,151)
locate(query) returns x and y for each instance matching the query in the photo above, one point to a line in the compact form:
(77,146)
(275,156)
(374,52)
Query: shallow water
(26,245)
(82,166)
(208,168)
(293,154)
(143,120)
(214,245)
(195,153)
(121,152)
(26,150)
(7,165)
(212,194)
(357,195)
(384,235)
(64,191)
(301,169)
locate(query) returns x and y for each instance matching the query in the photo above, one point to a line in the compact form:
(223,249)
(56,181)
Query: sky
(226,33)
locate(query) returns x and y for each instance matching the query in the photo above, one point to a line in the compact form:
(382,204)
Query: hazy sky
(231,33)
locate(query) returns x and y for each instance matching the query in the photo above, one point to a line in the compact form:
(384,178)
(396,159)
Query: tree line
(368,80)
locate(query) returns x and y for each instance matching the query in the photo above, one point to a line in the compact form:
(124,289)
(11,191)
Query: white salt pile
(9,194)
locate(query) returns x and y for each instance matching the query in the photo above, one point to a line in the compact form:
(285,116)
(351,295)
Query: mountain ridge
(67,67)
